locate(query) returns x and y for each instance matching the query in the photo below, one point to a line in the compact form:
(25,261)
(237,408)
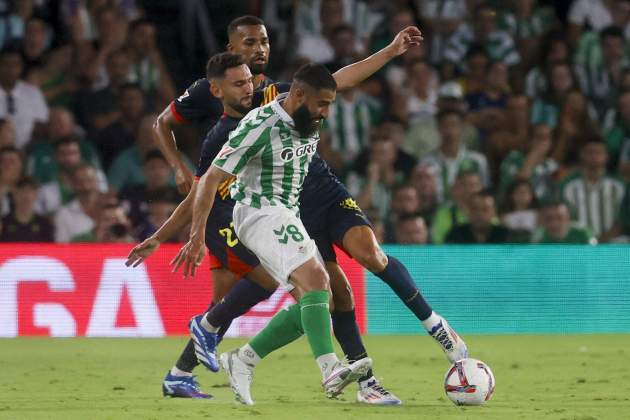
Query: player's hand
(405,39)
(190,255)
(142,251)
(183,179)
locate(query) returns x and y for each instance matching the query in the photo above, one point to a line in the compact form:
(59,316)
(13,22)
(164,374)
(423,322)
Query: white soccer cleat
(375,394)
(240,374)
(452,344)
(341,376)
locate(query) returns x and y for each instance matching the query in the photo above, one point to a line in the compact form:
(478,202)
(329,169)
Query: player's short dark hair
(316,76)
(247,20)
(154,154)
(27,181)
(219,63)
(611,32)
(447,113)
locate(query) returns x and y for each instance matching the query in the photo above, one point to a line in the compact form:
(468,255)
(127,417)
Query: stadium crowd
(511,123)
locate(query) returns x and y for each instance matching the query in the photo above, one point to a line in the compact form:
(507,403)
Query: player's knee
(316,278)
(371,256)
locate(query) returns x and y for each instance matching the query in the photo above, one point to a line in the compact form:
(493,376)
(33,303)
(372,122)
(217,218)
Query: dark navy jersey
(197,105)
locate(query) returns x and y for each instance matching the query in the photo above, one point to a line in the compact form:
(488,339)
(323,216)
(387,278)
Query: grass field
(538,377)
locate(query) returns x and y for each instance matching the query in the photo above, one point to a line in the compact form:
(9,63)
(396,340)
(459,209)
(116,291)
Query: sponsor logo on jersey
(290,153)
(350,204)
(183,96)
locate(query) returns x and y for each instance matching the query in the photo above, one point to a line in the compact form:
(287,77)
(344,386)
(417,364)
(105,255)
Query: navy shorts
(327,224)
(226,250)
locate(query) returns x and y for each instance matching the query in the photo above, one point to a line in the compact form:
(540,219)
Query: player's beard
(257,68)
(240,108)
(305,124)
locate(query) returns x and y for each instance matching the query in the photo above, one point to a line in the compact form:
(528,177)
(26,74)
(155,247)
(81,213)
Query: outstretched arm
(354,74)
(192,253)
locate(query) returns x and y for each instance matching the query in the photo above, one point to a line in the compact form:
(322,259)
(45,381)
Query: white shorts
(277,237)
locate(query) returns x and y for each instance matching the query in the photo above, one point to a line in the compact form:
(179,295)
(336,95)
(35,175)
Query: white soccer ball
(469,382)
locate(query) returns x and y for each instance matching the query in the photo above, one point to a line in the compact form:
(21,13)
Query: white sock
(207,326)
(326,363)
(178,372)
(431,321)
(248,355)
(364,384)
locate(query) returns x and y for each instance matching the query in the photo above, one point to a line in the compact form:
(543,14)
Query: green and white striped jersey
(268,157)
(499,45)
(595,206)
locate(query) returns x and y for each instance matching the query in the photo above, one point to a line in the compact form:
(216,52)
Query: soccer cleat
(182,387)
(375,394)
(205,343)
(240,374)
(452,344)
(341,376)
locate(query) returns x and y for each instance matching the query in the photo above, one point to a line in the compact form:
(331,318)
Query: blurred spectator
(620,231)
(42,164)
(160,205)
(554,49)
(37,40)
(473,79)
(527,23)
(520,210)
(405,201)
(316,46)
(59,190)
(12,17)
(594,14)
(147,65)
(421,92)
(112,225)
(482,228)
(7,133)
(22,224)
(453,156)
(600,70)
(98,109)
(378,168)
(557,227)
(486,108)
(617,130)
(512,134)
(343,43)
(535,165)
(348,126)
(483,30)
(455,212)
(20,101)
(594,197)
(411,229)
(424,137)
(575,125)
(424,180)
(157,175)
(111,29)
(399,20)
(127,169)
(624,162)
(547,108)
(122,133)
(440,19)
(76,220)
(11,170)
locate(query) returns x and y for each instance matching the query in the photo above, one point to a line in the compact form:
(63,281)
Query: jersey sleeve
(196,104)
(245,143)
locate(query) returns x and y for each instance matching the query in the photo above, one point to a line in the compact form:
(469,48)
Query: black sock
(187,360)
(398,278)
(347,333)
(241,298)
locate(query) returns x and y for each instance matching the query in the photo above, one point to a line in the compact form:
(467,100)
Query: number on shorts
(292,231)
(227,233)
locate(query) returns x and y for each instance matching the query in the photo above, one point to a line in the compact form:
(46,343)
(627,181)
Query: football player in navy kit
(328,211)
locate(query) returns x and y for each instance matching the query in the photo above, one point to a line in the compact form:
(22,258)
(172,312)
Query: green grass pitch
(538,377)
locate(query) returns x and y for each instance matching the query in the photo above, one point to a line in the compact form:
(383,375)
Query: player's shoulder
(268,93)
(199,88)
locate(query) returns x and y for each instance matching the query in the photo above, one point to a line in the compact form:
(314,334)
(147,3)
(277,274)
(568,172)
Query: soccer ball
(469,382)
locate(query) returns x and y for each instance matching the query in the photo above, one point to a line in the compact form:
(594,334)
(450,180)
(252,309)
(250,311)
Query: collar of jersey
(277,107)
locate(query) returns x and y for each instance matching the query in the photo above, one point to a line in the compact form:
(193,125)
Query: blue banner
(510,289)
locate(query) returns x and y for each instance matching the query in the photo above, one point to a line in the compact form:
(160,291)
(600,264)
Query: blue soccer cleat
(182,387)
(205,344)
